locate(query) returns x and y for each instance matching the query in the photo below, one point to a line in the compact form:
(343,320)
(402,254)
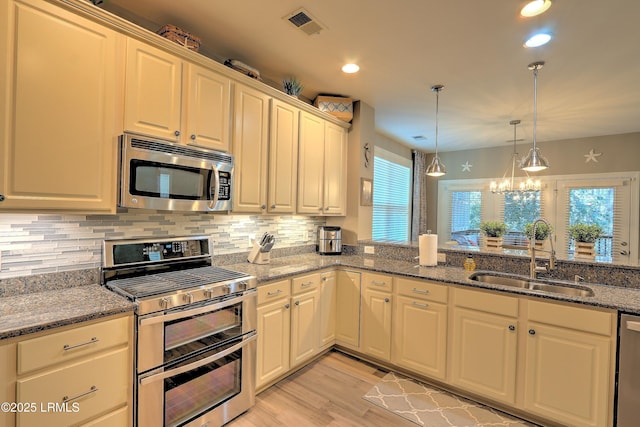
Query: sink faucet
(551,265)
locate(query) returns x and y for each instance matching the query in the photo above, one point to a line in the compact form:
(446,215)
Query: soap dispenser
(469,263)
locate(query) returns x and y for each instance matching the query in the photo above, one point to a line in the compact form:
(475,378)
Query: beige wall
(620,153)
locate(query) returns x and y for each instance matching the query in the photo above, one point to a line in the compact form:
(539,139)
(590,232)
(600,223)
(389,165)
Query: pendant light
(534,161)
(436,168)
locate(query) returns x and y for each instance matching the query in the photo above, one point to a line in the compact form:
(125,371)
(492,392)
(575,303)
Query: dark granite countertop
(39,311)
(614,297)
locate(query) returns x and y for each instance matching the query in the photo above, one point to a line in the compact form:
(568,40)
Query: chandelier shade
(436,168)
(534,161)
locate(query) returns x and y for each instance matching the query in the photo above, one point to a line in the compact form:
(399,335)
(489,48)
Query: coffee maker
(329,240)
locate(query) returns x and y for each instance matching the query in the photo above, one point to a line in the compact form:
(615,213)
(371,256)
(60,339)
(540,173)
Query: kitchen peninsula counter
(613,297)
(39,311)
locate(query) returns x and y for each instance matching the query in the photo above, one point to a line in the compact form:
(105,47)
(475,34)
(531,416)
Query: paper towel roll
(428,247)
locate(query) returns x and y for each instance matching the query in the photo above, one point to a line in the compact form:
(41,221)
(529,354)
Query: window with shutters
(391,196)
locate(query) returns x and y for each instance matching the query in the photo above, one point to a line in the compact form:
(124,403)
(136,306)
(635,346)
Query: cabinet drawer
(274,291)
(59,347)
(581,319)
(489,302)
(378,282)
(305,283)
(422,289)
(91,387)
(119,417)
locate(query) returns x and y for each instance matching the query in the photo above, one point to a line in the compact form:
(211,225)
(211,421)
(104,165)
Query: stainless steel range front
(195,329)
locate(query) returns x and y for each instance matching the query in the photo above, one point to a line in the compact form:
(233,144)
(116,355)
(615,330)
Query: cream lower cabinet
(570,354)
(305,321)
(419,332)
(274,331)
(322,167)
(61,90)
(327,310)
(376,315)
(172,99)
(484,341)
(88,370)
(348,309)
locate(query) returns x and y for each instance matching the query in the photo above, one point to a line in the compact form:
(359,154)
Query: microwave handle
(216,188)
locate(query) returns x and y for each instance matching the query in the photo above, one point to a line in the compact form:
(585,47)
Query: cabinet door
(274,336)
(327,310)
(348,309)
(310,165)
(304,327)
(153,91)
(208,108)
(420,336)
(376,324)
(567,375)
(484,354)
(58,113)
(283,158)
(335,170)
(250,133)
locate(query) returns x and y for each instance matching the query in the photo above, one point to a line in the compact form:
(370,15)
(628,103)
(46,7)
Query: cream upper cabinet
(283,158)
(250,149)
(172,99)
(420,327)
(321,167)
(570,354)
(484,344)
(60,91)
(327,309)
(274,331)
(376,315)
(348,309)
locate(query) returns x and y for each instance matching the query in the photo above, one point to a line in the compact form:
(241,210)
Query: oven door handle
(193,312)
(182,369)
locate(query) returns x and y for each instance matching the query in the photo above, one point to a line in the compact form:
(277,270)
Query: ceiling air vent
(305,22)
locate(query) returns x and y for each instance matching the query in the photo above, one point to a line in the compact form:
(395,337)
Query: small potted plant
(493,230)
(585,236)
(542,233)
(292,86)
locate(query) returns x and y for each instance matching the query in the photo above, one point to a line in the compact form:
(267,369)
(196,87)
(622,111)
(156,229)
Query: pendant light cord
(535,104)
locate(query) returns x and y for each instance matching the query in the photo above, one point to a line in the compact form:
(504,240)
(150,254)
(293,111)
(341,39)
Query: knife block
(256,256)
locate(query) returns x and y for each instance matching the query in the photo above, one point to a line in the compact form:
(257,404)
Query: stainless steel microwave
(161,175)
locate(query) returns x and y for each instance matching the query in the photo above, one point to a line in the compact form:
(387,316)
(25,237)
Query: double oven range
(195,330)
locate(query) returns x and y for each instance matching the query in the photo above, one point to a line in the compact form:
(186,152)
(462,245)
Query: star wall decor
(592,156)
(466,167)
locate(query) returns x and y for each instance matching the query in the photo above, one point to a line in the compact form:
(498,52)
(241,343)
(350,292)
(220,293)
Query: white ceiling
(590,85)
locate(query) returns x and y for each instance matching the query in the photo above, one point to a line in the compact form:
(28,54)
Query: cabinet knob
(512,328)
(326,209)
(263,207)
(621,252)
(1,197)
(287,306)
(297,302)
(164,303)
(386,300)
(532,331)
(193,137)
(177,133)
(273,206)
(320,209)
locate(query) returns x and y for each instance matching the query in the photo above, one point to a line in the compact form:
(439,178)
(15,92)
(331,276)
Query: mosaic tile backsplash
(37,244)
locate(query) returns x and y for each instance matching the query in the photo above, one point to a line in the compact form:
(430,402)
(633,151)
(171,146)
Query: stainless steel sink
(525,283)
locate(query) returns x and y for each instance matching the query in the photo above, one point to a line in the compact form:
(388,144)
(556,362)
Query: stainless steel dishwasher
(629,372)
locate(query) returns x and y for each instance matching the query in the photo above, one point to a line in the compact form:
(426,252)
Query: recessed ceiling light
(538,40)
(350,68)
(535,7)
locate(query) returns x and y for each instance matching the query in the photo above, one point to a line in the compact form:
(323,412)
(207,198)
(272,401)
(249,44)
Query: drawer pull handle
(421,291)
(270,294)
(93,389)
(306,284)
(421,305)
(376,283)
(91,341)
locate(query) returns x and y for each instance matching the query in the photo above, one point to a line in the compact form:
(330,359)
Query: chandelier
(507,185)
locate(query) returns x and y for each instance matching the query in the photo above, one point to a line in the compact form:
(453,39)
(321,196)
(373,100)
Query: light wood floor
(326,393)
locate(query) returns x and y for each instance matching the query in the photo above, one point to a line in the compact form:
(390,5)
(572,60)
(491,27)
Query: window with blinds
(391,197)
(465,215)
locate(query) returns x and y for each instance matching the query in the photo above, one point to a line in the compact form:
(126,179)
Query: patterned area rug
(431,407)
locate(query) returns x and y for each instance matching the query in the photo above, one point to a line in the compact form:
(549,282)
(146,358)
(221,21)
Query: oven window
(199,390)
(165,181)
(191,334)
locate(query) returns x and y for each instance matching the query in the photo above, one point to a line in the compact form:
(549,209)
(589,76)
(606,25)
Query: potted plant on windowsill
(493,231)
(585,236)
(543,231)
